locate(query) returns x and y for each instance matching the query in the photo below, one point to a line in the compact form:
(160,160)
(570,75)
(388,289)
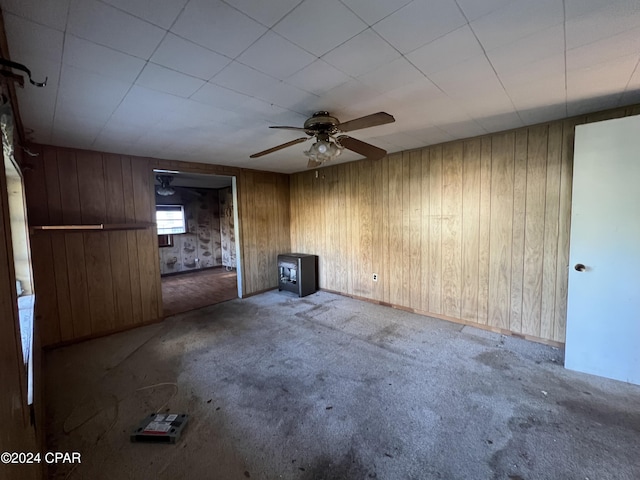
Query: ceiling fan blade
(372,120)
(313,164)
(363,148)
(282,127)
(279,147)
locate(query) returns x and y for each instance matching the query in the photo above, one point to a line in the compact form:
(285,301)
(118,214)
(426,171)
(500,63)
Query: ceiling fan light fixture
(323,151)
(165,191)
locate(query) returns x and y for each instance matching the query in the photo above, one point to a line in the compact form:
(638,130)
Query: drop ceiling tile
(463,129)
(605,23)
(545,91)
(143,108)
(361,54)
(219,97)
(500,121)
(275,56)
(545,113)
(516,20)
(602,79)
(591,104)
(217,26)
(391,76)
(372,11)
(539,71)
(473,9)
(187,57)
(254,108)
(422,90)
(51,14)
(522,53)
(105,25)
(623,44)
(446,51)
(267,13)
(69,123)
(431,135)
(243,79)
(594,8)
(28,40)
(159,12)
(165,80)
(472,77)
(419,23)
(344,96)
(77,93)
(319,27)
(102,60)
(318,77)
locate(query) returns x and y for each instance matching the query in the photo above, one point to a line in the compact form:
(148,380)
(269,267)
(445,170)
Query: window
(170,219)
(21,250)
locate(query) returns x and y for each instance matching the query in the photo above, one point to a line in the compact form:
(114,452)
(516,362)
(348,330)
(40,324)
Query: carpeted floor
(191,290)
(327,387)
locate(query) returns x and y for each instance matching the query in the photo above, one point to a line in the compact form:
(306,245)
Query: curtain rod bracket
(18,66)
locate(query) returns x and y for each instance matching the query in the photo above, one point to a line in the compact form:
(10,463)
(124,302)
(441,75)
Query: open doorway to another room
(196,216)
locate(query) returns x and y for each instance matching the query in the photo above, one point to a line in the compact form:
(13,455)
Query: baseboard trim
(489,328)
(92,336)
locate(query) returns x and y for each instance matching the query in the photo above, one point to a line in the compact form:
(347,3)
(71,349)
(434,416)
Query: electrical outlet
(375,277)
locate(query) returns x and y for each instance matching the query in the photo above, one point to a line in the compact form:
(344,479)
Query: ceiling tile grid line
(137,77)
(204,79)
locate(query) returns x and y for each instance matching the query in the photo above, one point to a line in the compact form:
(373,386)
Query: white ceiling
(201,80)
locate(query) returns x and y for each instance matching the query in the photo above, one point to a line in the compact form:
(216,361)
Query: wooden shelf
(92,228)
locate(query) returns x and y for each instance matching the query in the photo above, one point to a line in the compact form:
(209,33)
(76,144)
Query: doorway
(197,222)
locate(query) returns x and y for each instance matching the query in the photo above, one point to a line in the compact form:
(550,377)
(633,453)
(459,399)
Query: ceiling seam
(64,40)
(133,83)
(484,51)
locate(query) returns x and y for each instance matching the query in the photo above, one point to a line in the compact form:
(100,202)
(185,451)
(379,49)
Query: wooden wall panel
(264,213)
(92,283)
(474,230)
(500,228)
(470,229)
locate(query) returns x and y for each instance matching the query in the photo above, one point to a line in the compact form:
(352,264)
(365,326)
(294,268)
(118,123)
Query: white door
(603,317)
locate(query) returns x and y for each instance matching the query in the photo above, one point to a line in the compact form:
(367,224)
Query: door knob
(580,267)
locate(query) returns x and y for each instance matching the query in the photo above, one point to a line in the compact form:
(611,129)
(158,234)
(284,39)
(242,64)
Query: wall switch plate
(375,277)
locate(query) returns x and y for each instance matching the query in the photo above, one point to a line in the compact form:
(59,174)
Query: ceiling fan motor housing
(321,122)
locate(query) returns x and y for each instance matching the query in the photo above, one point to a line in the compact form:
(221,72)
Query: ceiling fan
(166,190)
(329,144)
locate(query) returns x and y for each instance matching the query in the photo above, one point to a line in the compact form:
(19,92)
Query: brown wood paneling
(452,229)
(518,227)
(485,232)
(470,229)
(502,164)
(395,229)
(415,229)
(534,229)
(425,224)
(551,228)
(435,230)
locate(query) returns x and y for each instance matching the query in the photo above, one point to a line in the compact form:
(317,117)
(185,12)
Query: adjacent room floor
(327,387)
(190,290)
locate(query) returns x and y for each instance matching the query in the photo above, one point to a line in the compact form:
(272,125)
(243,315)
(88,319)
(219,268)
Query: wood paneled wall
(475,231)
(92,283)
(263,201)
